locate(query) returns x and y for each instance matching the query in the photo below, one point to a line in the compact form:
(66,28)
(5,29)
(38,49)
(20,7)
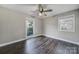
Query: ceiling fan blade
(49,10)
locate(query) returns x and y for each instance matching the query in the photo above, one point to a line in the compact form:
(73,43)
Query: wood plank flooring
(40,45)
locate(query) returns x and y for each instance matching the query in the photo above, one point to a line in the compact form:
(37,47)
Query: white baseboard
(62,39)
(8,43)
(33,36)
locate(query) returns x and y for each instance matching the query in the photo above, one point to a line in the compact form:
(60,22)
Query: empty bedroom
(39,28)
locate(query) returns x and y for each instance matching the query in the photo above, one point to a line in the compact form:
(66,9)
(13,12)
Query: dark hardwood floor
(40,45)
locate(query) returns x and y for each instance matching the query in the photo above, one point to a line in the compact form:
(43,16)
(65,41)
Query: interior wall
(38,26)
(51,27)
(12,26)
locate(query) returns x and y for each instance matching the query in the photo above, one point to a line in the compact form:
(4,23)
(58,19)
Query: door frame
(26,27)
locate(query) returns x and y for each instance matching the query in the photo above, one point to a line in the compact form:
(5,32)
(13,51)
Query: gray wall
(51,27)
(38,26)
(12,26)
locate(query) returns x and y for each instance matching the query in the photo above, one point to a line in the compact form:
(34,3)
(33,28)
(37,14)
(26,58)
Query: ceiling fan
(42,10)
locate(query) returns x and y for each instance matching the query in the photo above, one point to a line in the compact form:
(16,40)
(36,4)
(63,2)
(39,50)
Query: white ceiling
(30,8)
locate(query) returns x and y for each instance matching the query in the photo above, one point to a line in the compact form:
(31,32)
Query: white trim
(64,18)
(8,43)
(33,36)
(62,39)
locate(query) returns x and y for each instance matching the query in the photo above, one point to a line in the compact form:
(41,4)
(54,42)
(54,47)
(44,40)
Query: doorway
(29,27)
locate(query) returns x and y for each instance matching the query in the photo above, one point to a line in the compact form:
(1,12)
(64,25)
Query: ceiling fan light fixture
(43,11)
(40,14)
